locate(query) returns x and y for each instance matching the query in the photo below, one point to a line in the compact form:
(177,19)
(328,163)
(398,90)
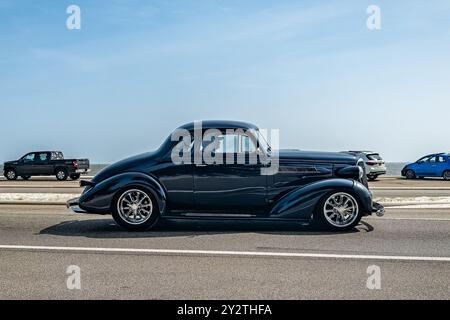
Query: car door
(424,167)
(42,164)
(235,186)
(26,165)
(440,166)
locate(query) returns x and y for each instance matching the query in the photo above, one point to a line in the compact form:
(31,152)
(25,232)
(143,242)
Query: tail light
(371,163)
(75,163)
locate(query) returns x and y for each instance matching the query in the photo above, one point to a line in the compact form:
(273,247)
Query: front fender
(301,202)
(98,199)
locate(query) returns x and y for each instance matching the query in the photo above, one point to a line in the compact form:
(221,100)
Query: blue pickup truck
(433,165)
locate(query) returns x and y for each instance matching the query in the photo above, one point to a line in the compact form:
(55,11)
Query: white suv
(375,165)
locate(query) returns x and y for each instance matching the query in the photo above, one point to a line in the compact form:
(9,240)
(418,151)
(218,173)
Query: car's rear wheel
(339,211)
(11,174)
(446,175)
(75,176)
(25,177)
(61,174)
(135,209)
(410,174)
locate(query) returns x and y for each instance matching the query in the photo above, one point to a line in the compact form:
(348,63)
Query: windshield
(262,142)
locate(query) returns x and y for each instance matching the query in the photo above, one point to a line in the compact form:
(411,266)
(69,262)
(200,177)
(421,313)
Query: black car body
(45,163)
(303,181)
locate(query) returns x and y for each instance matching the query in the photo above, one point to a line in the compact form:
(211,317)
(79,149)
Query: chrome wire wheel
(340,209)
(135,206)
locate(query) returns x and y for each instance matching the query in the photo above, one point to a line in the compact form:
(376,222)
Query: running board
(217,215)
(231,217)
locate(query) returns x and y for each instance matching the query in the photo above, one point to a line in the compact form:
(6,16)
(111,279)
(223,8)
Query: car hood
(316,156)
(137,163)
(10,162)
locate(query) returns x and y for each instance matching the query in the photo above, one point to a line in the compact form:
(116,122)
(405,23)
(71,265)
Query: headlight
(352,172)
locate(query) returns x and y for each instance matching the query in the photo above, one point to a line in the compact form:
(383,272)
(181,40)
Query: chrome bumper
(74,205)
(378,209)
(82,170)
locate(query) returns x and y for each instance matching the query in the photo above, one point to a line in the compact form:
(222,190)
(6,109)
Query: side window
(424,159)
(246,144)
(42,157)
(433,159)
(29,158)
(57,156)
(440,159)
(235,143)
(227,143)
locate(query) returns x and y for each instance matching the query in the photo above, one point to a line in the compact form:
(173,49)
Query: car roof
(220,124)
(44,152)
(365,152)
(437,154)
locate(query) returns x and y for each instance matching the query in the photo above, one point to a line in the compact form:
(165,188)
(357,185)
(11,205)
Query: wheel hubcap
(135,206)
(11,174)
(341,209)
(61,174)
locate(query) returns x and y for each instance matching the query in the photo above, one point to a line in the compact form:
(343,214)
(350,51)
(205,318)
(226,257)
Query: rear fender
(301,202)
(99,198)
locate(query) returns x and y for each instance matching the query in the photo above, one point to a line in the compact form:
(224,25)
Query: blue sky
(138,69)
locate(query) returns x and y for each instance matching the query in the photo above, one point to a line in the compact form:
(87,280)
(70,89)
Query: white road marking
(225,253)
(31,186)
(408,218)
(409,188)
(37,197)
(421,206)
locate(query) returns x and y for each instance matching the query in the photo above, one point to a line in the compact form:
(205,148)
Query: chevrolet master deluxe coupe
(227,170)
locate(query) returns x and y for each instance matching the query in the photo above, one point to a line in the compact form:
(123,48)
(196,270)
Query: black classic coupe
(227,170)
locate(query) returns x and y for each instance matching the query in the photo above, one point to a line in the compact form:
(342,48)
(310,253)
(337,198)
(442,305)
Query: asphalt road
(212,260)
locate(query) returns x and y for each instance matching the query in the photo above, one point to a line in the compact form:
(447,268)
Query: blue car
(433,165)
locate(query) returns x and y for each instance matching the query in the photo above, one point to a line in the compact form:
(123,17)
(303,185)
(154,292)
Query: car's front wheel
(339,211)
(10,174)
(410,174)
(372,178)
(135,209)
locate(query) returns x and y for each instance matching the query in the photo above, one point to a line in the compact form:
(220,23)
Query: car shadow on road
(108,229)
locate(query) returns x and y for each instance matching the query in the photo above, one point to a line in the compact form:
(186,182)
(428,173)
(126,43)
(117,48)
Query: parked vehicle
(45,163)
(307,186)
(433,165)
(374,164)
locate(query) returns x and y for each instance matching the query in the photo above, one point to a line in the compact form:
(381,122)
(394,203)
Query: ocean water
(393,168)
